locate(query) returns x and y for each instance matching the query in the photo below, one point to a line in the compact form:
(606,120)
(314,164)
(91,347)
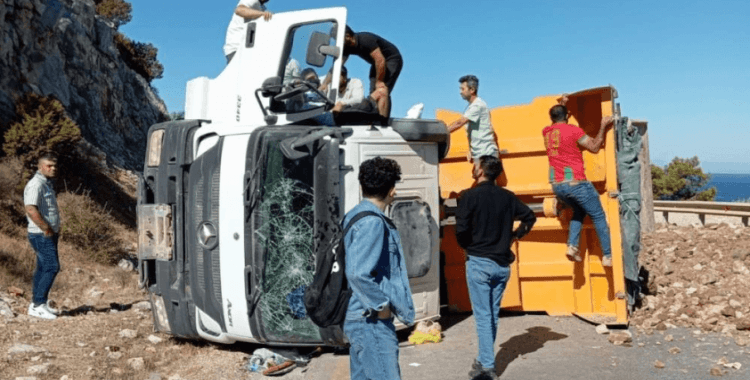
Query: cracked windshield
(285,231)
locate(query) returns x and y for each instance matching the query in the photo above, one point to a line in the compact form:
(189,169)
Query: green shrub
(682,179)
(141,57)
(117,11)
(40,125)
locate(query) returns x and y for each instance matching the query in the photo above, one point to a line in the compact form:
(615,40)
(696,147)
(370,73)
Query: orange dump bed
(542,277)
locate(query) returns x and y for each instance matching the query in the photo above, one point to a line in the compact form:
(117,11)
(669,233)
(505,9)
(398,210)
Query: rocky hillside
(62,48)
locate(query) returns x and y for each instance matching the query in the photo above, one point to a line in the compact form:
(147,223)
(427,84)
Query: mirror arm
(333,51)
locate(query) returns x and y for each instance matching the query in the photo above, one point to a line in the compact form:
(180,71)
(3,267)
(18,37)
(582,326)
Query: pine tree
(682,179)
(40,125)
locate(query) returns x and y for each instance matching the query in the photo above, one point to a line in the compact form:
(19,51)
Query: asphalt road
(533,346)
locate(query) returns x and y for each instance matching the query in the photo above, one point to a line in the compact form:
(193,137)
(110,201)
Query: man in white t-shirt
(477,121)
(351,90)
(246,10)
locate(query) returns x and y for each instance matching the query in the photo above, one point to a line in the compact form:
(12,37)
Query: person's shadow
(533,339)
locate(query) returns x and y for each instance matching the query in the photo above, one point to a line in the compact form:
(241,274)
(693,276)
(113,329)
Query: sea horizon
(730,187)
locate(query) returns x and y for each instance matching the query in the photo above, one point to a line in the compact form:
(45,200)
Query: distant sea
(730,187)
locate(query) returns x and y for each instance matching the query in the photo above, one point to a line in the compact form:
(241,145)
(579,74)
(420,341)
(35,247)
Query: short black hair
(492,167)
(471,81)
(307,72)
(378,176)
(349,31)
(49,156)
(344,72)
(558,113)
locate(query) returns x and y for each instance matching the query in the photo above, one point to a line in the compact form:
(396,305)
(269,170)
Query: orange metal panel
(543,279)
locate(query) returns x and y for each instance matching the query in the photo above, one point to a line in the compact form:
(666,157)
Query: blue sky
(684,66)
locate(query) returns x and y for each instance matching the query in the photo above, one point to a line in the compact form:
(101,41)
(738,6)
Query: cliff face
(62,48)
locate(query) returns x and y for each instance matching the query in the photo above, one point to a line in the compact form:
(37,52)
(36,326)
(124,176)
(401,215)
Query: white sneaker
(40,311)
(51,309)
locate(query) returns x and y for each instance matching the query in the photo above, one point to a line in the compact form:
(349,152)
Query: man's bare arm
(251,14)
(457,124)
(33,213)
(594,144)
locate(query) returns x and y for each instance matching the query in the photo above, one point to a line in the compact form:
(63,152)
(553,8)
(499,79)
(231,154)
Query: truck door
(279,48)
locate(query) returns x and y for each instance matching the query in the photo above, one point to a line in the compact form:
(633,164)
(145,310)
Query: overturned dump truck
(542,279)
(236,201)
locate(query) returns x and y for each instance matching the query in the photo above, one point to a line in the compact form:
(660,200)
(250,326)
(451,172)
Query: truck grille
(203,256)
(215,254)
(197,218)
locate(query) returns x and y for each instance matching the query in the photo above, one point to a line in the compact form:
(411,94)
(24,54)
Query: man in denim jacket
(376,272)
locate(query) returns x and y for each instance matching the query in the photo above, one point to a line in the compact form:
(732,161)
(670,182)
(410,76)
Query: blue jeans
(584,200)
(373,351)
(486,281)
(47,265)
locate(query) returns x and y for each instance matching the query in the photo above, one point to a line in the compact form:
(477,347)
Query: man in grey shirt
(477,121)
(44,230)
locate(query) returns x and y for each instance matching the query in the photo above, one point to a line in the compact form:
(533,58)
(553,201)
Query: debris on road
(698,277)
(426,332)
(602,329)
(618,338)
(659,364)
(725,363)
(278,361)
(716,371)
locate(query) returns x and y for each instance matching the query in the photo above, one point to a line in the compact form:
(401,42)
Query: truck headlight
(154,147)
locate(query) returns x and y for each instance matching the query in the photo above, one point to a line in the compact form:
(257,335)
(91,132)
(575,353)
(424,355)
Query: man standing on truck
(564,142)
(44,231)
(477,118)
(484,229)
(385,60)
(246,10)
(376,272)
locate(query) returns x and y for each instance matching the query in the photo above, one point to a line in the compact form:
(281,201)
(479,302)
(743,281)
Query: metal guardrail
(702,208)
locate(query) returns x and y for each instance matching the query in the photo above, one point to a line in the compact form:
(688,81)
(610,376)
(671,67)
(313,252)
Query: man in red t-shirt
(564,143)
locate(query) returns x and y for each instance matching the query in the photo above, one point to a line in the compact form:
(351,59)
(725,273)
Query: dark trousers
(392,70)
(47,265)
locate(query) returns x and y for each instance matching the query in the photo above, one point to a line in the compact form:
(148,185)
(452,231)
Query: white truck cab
(236,202)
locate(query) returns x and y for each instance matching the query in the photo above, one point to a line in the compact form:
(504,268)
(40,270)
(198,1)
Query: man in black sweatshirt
(484,228)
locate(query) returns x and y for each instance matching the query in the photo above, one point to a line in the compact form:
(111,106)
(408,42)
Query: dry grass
(91,228)
(17,261)
(12,217)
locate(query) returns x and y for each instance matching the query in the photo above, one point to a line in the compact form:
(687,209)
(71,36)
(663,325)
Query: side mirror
(271,87)
(319,48)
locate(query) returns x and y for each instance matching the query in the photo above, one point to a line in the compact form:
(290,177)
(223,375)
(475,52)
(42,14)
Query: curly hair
(378,176)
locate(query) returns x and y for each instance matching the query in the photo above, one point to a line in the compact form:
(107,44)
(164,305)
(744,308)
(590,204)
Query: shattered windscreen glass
(286,235)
